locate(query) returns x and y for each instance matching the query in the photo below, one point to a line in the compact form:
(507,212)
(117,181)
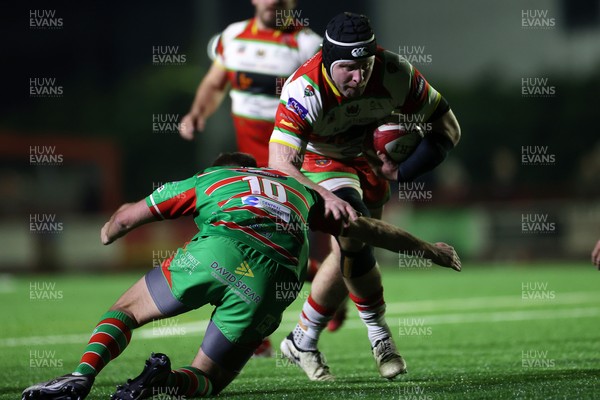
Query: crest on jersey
(309,91)
(352,110)
(322,163)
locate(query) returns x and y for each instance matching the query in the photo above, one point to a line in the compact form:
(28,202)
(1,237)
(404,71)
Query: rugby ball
(396,141)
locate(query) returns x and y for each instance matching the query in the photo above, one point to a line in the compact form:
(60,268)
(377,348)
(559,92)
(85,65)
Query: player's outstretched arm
(381,234)
(209,95)
(129,216)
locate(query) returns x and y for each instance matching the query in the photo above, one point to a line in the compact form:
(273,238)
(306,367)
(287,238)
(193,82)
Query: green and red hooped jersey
(313,116)
(262,208)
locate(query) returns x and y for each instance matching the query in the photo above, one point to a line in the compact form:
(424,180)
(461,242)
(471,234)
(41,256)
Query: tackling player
(325,110)
(252,237)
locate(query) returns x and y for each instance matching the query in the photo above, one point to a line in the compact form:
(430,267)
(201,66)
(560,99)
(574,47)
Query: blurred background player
(326,109)
(253,58)
(236,261)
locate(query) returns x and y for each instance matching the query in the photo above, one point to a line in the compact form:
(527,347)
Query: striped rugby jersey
(258,62)
(313,116)
(262,208)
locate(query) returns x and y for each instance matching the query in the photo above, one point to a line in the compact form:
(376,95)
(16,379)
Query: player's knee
(357,263)
(225,359)
(351,196)
(350,245)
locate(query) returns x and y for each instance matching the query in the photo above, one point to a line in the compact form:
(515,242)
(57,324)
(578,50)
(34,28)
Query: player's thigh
(191,278)
(138,303)
(260,290)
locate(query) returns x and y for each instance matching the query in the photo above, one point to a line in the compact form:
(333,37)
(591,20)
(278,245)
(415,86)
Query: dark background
(102,56)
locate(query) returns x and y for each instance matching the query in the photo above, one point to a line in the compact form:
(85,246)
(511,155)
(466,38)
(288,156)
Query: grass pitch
(489,332)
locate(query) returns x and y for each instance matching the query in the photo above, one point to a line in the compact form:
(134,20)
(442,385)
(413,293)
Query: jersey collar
(255,31)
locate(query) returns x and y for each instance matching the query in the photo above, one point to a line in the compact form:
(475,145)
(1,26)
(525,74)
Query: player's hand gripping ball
(396,141)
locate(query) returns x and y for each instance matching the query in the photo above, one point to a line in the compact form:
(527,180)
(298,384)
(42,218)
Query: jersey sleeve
(225,38)
(422,98)
(214,47)
(413,93)
(219,51)
(173,199)
(296,114)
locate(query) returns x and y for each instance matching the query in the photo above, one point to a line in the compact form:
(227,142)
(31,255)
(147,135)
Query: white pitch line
(394,310)
(478,317)
(474,303)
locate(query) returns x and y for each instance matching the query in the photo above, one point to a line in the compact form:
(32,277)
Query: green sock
(109,339)
(190,382)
